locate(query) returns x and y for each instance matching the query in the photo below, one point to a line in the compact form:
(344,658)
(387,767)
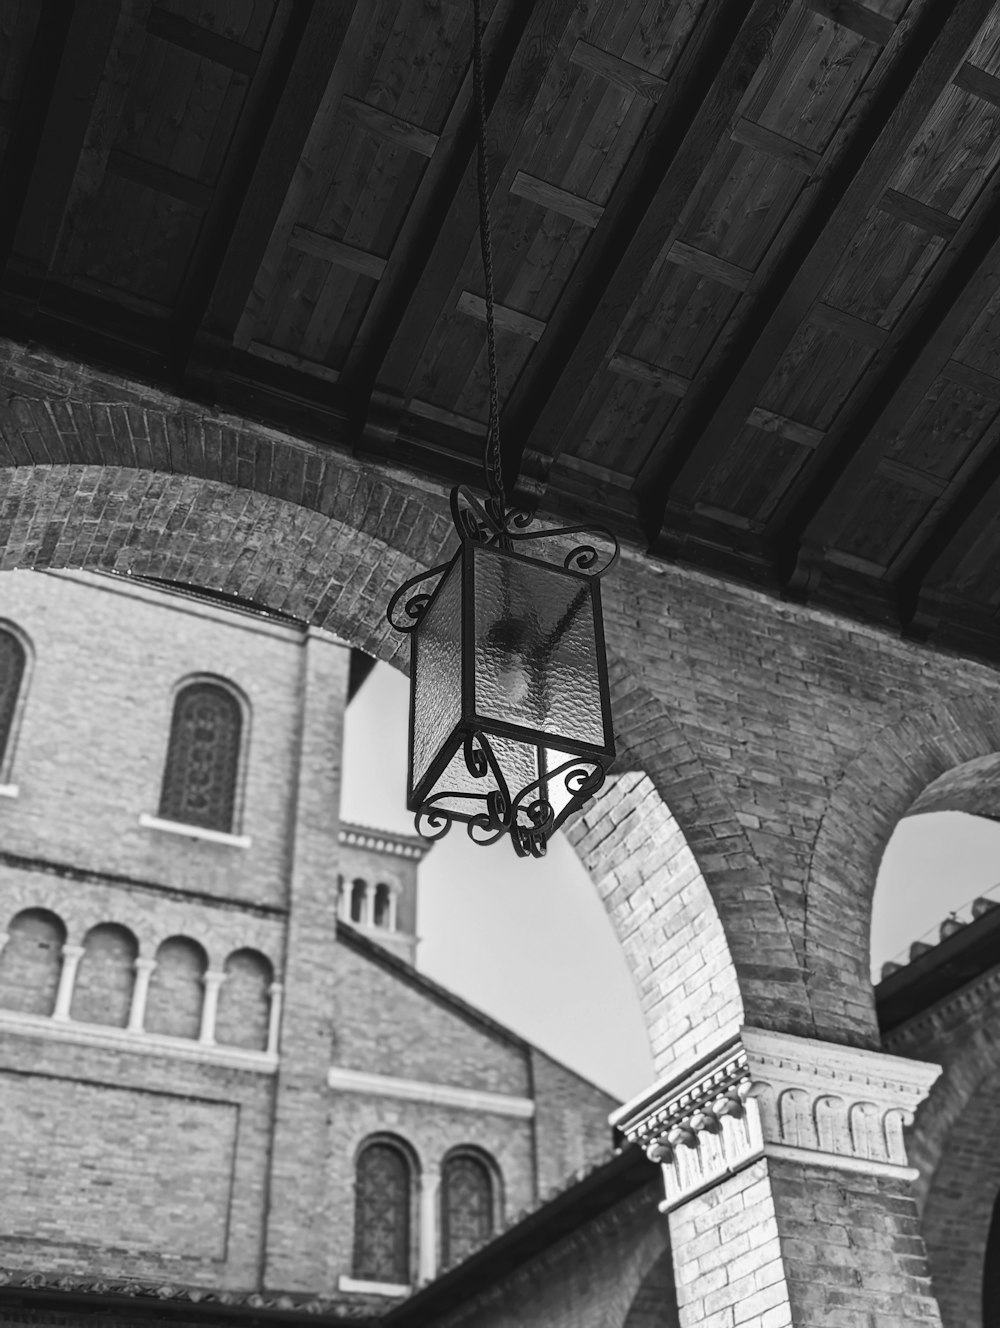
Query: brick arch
(953,1144)
(919,763)
(328,544)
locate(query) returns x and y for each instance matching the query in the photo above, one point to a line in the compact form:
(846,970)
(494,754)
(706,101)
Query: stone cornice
(383,841)
(772,1095)
(432,1094)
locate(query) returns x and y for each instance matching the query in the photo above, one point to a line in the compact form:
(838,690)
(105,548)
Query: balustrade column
(787,1184)
(140,993)
(213,981)
(71,956)
(275,991)
(430,1189)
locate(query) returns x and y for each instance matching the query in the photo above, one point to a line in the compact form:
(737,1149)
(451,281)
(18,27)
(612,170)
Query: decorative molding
(141,1043)
(193,831)
(373,1288)
(437,1095)
(383,841)
(772,1095)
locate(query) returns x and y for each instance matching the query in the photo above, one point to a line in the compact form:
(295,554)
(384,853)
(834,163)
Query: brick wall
(571,1121)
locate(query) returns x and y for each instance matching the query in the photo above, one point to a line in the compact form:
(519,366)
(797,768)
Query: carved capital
(772,1095)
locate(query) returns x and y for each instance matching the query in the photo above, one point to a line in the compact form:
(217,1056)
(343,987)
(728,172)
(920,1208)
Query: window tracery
(382,1215)
(199,779)
(466,1207)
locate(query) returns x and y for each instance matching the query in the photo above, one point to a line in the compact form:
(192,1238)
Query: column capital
(144,965)
(72,951)
(775,1095)
(213,977)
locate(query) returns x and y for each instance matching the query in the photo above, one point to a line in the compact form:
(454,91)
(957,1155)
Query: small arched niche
(32,961)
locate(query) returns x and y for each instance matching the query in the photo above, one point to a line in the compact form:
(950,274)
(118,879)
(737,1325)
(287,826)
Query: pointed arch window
(466,1207)
(200,778)
(13,658)
(382,1215)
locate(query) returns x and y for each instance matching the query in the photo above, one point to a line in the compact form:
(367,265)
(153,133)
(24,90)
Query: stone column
(787,1184)
(140,993)
(71,956)
(274,1018)
(368,916)
(213,980)
(430,1189)
(391,922)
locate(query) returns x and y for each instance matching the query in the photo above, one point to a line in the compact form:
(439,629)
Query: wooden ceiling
(747,257)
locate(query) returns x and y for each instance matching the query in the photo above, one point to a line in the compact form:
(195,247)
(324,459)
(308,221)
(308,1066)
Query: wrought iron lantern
(510,710)
(510,713)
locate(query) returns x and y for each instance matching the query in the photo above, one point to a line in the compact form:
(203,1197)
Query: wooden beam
(519,44)
(718,269)
(93,30)
(872,26)
(761,139)
(629,367)
(970,78)
(920,350)
(849,326)
(151,175)
(918,214)
(987,385)
(918,68)
(389,127)
(325,38)
(201,41)
(335,251)
(553,198)
(508,320)
(639,225)
(616,71)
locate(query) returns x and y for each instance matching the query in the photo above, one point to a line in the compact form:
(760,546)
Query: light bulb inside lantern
(509,643)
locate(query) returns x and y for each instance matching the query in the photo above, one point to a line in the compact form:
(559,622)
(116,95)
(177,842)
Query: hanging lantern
(510,712)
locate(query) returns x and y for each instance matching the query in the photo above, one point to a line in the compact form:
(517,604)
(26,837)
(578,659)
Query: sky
(529,942)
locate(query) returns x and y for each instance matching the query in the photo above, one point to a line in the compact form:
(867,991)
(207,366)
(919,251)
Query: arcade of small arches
(368,903)
(106,982)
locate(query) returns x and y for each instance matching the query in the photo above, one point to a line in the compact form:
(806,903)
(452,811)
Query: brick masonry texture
(150,1163)
(786,742)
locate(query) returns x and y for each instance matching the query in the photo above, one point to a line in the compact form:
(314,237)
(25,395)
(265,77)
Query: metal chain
(491,461)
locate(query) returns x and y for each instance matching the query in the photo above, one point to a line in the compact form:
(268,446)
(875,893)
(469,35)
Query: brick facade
(174,1002)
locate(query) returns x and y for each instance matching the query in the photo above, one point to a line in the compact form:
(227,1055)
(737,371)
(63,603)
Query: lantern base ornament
(510,714)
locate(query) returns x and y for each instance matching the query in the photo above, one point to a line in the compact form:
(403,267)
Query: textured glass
(199,782)
(437,675)
(517,760)
(11,673)
(382,1216)
(466,1208)
(536,648)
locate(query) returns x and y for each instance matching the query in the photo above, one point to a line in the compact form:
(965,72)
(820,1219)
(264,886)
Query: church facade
(219,1065)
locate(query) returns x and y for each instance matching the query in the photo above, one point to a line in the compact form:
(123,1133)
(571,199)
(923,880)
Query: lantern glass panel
(536,653)
(437,674)
(517,760)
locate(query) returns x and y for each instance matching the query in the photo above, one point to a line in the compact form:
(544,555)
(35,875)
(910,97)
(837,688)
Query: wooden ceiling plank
(617,71)
(859,18)
(519,45)
(590,468)
(987,385)
(390,127)
(327,42)
(920,350)
(762,139)
(93,29)
(918,214)
(633,239)
(849,325)
(508,320)
(556,200)
(180,31)
(918,480)
(924,59)
(337,252)
(771,422)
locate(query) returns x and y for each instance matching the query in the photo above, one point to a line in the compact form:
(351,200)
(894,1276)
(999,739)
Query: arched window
(383,909)
(466,1207)
(102,992)
(199,781)
(382,1215)
(32,961)
(359,891)
(177,989)
(244,1001)
(12,661)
